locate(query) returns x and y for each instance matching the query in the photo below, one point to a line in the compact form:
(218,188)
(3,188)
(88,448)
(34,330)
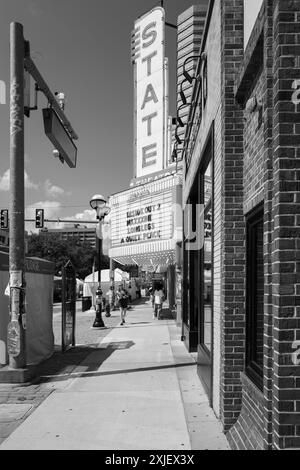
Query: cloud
(88,214)
(54,191)
(5,181)
(29,184)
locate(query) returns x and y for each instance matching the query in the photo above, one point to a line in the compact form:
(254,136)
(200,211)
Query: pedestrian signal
(4,218)
(39,218)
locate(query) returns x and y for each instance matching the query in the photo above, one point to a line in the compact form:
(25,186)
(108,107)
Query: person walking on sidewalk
(123,303)
(151,292)
(158,300)
(110,294)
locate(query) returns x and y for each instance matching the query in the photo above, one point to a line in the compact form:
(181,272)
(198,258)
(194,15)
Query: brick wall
(271,420)
(233,236)
(254,151)
(256,160)
(248,434)
(253,429)
(268,222)
(217,261)
(250,430)
(286,210)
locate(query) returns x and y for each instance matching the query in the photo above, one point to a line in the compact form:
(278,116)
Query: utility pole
(16,327)
(20,61)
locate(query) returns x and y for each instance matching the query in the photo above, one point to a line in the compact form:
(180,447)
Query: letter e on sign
(149,154)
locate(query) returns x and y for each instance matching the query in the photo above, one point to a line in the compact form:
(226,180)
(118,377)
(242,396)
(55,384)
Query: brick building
(241,294)
(4,238)
(83,234)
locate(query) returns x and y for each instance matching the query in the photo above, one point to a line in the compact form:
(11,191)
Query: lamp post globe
(98,202)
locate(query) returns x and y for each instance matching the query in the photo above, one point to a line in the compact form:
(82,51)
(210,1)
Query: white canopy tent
(91,281)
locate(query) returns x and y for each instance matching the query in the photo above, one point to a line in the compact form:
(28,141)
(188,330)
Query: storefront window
(255,296)
(206,265)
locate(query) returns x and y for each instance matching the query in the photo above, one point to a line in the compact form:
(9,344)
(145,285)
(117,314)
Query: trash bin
(86,303)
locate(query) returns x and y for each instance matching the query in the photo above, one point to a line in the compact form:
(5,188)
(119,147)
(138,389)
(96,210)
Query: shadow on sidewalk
(91,373)
(167,314)
(62,365)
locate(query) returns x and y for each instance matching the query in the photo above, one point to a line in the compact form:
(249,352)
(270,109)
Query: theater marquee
(142,222)
(150,109)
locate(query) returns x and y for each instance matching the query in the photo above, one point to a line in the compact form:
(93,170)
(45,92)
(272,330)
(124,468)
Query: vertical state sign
(148,51)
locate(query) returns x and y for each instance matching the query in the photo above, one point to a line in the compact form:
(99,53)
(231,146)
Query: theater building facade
(145,219)
(241,158)
(145,231)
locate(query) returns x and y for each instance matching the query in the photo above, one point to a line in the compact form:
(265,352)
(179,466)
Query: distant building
(4,239)
(83,234)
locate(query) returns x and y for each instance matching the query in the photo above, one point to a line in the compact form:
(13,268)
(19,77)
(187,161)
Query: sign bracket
(43,87)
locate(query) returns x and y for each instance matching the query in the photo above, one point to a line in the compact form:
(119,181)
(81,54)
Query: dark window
(205,84)
(255,296)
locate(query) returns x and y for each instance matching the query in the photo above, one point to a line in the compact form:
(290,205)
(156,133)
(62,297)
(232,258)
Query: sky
(82,48)
(252,8)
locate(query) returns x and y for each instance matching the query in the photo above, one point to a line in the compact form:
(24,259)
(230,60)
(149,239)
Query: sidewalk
(137,390)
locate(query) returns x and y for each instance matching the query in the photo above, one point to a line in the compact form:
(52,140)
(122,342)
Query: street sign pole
(16,328)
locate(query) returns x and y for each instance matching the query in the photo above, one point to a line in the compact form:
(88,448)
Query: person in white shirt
(158,300)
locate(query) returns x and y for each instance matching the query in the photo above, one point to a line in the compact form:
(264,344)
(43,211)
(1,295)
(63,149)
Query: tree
(51,247)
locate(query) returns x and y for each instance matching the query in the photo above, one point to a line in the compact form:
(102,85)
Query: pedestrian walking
(110,294)
(151,292)
(123,298)
(158,300)
(130,293)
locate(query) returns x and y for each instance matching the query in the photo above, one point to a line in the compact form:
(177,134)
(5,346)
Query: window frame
(253,369)
(208,206)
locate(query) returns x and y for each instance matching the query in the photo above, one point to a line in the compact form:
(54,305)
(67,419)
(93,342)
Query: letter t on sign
(149,153)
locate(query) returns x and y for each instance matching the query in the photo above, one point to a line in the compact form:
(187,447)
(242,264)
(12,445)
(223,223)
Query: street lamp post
(99,204)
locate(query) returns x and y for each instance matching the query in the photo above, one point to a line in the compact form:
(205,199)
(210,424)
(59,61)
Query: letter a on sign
(149,96)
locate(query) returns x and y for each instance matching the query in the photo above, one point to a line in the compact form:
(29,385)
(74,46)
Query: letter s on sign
(151,35)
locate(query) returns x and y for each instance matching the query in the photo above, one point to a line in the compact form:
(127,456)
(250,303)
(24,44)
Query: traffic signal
(39,218)
(4,218)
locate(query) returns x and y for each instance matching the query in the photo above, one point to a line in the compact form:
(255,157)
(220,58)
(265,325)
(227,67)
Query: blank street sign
(59,137)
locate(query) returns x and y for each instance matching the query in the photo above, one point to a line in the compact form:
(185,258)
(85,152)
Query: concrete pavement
(138,390)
